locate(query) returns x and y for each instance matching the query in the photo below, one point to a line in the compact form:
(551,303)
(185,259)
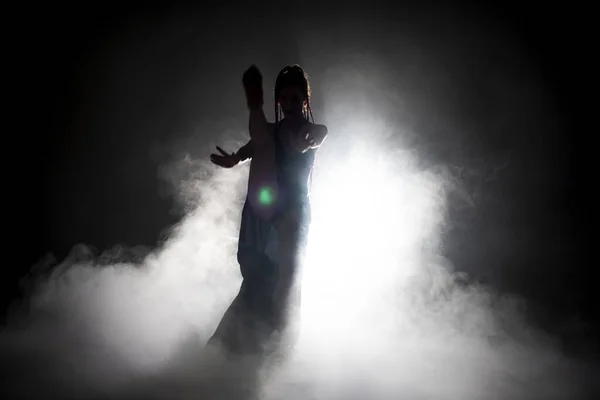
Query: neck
(294,117)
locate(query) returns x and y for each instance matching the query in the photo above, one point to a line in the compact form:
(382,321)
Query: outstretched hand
(225,160)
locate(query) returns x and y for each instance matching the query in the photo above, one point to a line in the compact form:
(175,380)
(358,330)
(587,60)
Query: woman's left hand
(309,137)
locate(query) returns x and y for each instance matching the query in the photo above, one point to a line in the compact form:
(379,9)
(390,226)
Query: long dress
(269,255)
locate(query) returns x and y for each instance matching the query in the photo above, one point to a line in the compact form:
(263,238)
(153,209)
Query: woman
(276,215)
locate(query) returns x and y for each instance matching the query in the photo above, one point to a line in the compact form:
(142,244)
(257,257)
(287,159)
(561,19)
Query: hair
(293,75)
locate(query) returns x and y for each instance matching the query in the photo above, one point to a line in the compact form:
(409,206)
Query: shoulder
(318,127)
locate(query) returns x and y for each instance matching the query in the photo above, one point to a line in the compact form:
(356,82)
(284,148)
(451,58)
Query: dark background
(78,170)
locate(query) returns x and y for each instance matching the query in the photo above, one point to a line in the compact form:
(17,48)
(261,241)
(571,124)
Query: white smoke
(383,315)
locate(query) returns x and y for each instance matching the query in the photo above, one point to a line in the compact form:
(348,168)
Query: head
(292,93)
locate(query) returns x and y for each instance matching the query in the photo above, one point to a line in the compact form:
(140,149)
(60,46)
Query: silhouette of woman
(276,214)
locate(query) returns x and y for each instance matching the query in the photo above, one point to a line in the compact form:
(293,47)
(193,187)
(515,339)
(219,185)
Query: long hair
(293,75)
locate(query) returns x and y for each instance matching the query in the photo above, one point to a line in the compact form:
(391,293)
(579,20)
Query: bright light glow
(265,196)
(373,322)
(372,214)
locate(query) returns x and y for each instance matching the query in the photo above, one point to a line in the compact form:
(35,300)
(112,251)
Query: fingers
(223,151)
(252,73)
(309,140)
(217,159)
(222,161)
(220,164)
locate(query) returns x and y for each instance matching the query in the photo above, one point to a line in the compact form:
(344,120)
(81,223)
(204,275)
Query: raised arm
(258,125)
(263,187)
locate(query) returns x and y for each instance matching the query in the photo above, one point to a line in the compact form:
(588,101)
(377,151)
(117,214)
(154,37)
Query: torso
(294,167)
(277,164)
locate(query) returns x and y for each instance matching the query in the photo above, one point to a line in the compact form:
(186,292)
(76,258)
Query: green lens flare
(265,196)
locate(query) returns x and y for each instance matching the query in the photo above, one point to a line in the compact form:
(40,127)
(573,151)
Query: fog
(385,313)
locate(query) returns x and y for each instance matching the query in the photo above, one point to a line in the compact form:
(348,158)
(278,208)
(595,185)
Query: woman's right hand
(224,159)
(252,80)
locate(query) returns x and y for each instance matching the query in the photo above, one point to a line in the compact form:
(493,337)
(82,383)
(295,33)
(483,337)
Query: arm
(317,135)
(245,152)
(310,137)
(258,125)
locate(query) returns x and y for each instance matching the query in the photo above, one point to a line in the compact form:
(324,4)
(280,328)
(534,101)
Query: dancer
(276,214)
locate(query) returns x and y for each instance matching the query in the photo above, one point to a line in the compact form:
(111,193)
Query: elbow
(321,136)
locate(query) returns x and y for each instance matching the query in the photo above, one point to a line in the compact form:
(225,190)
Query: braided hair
(293,75)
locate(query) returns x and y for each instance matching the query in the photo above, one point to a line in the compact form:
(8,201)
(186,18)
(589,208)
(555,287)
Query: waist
(289,198)
(294,183)
(299,205)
